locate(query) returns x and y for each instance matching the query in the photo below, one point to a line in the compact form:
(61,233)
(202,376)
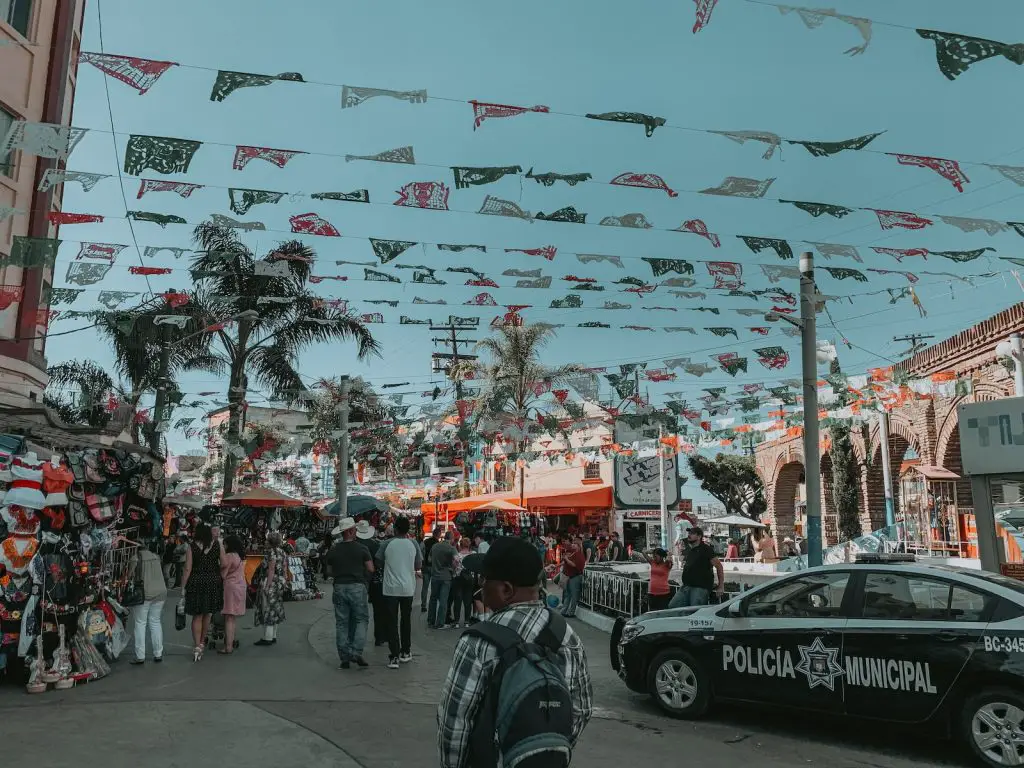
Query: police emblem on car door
(784,643)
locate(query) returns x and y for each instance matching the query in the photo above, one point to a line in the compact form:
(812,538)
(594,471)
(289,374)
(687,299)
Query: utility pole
(809,355)
(883,439)
(449,362)
(162,383)
(915,340)
(341,479)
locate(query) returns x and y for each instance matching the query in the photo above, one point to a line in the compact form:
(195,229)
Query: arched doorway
(785,496)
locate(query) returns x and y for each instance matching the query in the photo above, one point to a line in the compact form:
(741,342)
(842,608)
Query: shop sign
(638,480)
(642,514)
(992,436)
(1012,570)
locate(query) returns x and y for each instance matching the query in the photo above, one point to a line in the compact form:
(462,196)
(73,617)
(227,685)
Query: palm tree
(511,373)
(148,356)
(278,318)
(78,391)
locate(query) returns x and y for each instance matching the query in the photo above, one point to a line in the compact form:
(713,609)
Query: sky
(752,68)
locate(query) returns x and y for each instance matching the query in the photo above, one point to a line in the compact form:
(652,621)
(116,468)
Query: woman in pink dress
(232,571)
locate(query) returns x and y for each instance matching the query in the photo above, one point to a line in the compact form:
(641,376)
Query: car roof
(977,578)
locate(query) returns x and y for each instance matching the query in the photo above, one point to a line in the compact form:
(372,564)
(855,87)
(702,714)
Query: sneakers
(393,662)
(360,661)
(344,665)
(405,658)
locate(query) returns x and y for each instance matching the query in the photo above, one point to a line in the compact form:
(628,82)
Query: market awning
(932,472)
(261,497)
(594,497)
(736,521)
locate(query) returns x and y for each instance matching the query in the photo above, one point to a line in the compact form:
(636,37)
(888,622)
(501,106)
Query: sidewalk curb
(595,620)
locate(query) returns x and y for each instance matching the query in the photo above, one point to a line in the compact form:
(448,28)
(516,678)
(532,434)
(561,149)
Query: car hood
(671,613)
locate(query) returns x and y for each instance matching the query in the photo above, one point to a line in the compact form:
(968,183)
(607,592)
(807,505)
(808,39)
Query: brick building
(39,45)
(926,428)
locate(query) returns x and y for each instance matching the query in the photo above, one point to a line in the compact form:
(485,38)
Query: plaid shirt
(470,675)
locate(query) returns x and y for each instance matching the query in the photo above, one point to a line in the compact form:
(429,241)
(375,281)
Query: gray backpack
(526,714)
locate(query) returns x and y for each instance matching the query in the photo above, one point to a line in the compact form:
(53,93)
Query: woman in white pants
(150,613)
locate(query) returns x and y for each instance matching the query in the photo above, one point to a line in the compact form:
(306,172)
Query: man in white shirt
(401,560)
(482,545)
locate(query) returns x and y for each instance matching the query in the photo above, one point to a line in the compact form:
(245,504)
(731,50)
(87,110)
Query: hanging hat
(26,488)
(27,467)
(364,530)
(345,524)
(5,467)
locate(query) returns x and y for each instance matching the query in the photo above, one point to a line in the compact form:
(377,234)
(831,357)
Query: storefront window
(17,13)
(6,121)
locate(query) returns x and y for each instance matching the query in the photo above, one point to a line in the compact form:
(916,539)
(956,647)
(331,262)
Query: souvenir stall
(928,512)
(70,526)
(253,514)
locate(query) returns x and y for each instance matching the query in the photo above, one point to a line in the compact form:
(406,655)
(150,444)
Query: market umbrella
(357,505)
(261,497)
(500,505)
(736,521)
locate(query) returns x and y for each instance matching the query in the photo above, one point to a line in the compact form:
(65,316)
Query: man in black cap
(512,571)
(700,567)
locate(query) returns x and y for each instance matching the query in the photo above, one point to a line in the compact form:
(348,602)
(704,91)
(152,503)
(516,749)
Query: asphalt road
(289,705)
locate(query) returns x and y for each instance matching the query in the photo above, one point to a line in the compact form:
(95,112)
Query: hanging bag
(101,509)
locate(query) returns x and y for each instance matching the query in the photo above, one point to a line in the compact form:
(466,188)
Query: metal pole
(661,477)
(883,439)
(812,462)
(341,483)
(162,383)
(1018,364)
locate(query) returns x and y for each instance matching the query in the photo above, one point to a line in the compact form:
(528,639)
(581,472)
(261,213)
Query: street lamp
(1011,348)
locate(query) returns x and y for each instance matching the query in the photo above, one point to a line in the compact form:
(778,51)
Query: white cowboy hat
(364,530)
(343,525)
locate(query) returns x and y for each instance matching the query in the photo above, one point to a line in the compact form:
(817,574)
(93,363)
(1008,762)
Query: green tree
(511,372)
(278,317)
(733,480)
(845,483)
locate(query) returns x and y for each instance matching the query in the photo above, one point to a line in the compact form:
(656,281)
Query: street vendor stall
(928,511)
(252,514)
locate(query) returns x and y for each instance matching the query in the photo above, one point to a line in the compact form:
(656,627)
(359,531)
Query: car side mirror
(736,608)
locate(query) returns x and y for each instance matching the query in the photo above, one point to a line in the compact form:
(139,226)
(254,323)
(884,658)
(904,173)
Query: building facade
(39,46)
(923,432)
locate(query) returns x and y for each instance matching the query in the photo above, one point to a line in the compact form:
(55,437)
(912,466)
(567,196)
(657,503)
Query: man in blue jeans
(350,564)
(697,579)
(442,569)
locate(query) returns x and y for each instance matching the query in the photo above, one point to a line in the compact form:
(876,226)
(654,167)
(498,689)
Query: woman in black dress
(204,590)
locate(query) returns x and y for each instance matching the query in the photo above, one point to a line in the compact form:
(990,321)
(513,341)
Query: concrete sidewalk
(289,705)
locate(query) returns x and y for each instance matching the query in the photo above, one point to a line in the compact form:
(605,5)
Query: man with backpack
(524,661)
(428,544)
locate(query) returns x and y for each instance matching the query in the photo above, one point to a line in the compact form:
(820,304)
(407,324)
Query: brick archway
(784,494)
(829,515)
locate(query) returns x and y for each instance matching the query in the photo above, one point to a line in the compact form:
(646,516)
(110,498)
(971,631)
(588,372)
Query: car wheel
(992,724)
(679,684)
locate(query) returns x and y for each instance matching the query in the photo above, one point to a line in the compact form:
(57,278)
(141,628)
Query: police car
(894,641)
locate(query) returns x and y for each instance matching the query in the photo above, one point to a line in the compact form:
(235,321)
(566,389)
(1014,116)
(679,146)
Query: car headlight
(630,632)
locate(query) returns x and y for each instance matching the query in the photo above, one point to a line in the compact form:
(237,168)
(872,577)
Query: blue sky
(752,68)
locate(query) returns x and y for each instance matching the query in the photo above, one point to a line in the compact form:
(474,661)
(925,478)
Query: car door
(784,643)
(909,640)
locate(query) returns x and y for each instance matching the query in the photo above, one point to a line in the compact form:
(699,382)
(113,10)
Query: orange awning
(597,496)
(261,497)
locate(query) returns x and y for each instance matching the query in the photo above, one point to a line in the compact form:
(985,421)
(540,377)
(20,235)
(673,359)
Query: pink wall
(25,63)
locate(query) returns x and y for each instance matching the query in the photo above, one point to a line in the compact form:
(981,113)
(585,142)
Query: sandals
(197,653)
(224,652)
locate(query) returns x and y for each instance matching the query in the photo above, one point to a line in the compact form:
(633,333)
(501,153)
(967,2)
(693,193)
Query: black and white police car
(881,638)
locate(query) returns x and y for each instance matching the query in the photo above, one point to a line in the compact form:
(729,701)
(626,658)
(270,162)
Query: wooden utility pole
(449,363)
(915,340)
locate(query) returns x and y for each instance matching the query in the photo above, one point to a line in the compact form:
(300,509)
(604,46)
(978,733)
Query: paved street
(290,705)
